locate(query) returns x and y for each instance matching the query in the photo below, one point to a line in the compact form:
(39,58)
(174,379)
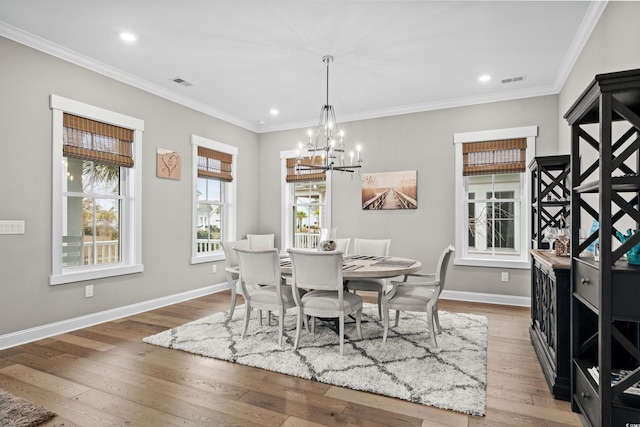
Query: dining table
(359,267)
(366,266)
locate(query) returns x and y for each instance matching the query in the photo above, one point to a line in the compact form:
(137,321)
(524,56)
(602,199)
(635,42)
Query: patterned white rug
(452,376)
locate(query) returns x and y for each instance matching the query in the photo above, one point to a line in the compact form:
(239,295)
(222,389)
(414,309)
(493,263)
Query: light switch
(11,227)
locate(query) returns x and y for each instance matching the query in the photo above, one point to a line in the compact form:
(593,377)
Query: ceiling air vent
(513,79)
(182,82)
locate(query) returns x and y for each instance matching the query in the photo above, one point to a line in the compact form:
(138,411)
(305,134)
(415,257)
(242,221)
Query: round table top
(372,267)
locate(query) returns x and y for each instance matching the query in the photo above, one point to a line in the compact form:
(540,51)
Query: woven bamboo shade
(494,157)
(307,172)
(214,164)
(87,139)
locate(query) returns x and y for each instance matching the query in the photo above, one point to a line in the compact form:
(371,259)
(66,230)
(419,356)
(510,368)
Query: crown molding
(419,108)
(589,22)
(76,58)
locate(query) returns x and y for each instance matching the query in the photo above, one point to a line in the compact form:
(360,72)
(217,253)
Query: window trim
(230,210)
(461,258)
(286,198)
(131,221)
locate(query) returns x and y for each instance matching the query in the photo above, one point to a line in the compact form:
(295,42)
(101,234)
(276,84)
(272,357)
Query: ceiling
(246,57)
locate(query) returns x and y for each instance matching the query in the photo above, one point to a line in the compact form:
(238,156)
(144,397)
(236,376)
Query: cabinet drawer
(587,283)
(587,398)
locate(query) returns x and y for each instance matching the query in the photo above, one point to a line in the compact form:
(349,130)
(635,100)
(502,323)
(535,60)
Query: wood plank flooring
(105,375)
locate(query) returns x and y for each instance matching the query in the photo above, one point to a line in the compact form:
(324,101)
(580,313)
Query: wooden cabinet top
(555,262)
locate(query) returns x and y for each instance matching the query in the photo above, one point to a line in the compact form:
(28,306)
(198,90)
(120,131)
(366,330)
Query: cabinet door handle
(584,281)
(584,395)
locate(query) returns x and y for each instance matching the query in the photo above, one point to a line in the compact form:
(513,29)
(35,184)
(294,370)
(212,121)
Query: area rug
(452,376)
(17,412)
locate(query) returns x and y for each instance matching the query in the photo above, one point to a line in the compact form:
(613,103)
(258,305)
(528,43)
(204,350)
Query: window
(96,218)
(492,193)
(306,203)
(214,192)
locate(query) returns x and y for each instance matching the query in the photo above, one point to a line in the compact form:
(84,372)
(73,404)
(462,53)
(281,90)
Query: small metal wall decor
(390,190)
(168,164)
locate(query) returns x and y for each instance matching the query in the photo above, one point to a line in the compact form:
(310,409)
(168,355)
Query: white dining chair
(418,295)
(374,247)
(343,245)
(231,268)
(320,274)
(261,241)
(263,286)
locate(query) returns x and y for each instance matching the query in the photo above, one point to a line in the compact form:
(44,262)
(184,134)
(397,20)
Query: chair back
(261,241)
(230,255)
(342,245)
(443,263)
(379,247)
(259,266)
(317,270)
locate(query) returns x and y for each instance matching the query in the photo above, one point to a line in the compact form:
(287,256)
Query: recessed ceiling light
(274,112)
(262,122)
(127,37)
(484,78)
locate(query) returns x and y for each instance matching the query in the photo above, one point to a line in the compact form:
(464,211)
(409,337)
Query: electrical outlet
(505,276)
(88,291)
(214,269)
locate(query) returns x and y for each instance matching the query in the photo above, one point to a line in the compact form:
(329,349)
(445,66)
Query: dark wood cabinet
(550,195)
(605,302)
(550,320)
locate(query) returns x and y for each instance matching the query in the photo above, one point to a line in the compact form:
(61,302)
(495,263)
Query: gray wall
(27,78)
(614,45)
(421,142)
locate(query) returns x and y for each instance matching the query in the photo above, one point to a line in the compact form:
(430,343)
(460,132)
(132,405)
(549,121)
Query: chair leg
(437,318)
(358,321)
(247,315)
(397,317)
(380,302)
(298,328)
(432,331)
(260,316)
(385,321)
(233,300)
(341,320)
(281,326)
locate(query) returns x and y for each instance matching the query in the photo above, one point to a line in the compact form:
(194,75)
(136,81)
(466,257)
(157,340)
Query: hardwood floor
(106,375)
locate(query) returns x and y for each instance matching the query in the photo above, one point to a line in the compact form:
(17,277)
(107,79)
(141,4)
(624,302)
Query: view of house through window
(309,212)
(91,213)
(493,212)
(210,218)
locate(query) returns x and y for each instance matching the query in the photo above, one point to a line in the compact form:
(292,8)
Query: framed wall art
(168,164)
(390,190)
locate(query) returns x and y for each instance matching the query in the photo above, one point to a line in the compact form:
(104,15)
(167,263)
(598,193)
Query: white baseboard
(487,298)
(40,332)
(45,331)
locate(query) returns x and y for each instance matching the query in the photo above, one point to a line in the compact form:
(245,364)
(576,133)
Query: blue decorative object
(633,254)
(594,227)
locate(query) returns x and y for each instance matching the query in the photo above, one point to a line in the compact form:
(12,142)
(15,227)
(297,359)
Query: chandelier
(326,147)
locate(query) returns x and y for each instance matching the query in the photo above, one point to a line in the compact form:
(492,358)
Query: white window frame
(131,185)
(229,212)
(287,200)
(462,256)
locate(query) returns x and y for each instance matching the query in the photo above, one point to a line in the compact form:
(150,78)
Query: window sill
(207,258)
(83,274)
(492,263)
